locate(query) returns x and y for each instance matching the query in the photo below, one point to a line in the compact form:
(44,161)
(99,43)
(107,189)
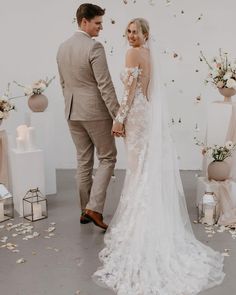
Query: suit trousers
(88,135)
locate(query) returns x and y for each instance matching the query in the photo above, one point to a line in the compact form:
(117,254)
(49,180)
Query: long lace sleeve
(130,78)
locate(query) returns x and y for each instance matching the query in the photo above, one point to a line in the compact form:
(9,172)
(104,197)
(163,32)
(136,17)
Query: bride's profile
(150,248)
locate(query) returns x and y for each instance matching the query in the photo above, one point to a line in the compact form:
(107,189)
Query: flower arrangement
(222,71)
(218,153)
(5,105)
(37,87)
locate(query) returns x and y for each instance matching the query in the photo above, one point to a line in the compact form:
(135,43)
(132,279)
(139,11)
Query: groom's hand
(118,129)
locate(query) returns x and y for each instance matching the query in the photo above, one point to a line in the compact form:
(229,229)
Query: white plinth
(219,115)
(45,140)
(27,170)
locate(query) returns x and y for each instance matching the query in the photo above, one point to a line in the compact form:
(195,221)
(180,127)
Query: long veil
(150,248)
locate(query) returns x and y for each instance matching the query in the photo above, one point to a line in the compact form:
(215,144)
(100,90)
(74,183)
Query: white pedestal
(45,140)
(27,170)
(219,123)
(219,115)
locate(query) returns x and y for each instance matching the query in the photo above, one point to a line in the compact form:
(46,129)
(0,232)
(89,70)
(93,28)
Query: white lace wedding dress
(149,247)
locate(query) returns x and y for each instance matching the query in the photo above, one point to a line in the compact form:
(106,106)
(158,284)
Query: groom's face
(93,26)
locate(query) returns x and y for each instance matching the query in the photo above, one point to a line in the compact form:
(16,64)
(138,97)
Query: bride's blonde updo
(142,26)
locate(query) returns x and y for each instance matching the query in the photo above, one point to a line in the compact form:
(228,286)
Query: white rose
(28,90)
(42,86)
(227,75)
(233,67)
(229,145)
(209,152)
(231,83)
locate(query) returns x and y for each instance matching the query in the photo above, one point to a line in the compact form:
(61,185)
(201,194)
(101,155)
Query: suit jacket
(85,79)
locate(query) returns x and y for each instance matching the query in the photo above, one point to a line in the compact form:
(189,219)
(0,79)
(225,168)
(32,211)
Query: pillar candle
(208,216)
(31,138)
(37,210)
(20,144)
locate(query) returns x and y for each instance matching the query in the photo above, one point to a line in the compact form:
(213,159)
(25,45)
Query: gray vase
(38,102)
(218,170)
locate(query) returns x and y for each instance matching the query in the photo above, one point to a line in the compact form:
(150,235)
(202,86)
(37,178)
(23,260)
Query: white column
(27,170)
(43,122)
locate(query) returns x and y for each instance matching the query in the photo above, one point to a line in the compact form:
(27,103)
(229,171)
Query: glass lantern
(6,204)
(34,205)
(207,209)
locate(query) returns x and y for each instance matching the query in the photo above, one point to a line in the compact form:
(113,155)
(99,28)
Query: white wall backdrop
(31,31)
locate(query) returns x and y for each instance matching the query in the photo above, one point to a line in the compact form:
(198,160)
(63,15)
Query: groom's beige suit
(90,106)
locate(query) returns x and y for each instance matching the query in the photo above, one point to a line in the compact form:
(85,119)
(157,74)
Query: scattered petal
(21,260)
(50,229)
(4,239)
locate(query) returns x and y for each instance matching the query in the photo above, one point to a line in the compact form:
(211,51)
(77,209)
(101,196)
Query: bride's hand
(118,129)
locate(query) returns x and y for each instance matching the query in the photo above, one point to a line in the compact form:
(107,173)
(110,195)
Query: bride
(150,248)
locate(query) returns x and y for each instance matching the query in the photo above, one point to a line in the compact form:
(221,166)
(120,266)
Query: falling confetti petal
(199,18)
(175,55)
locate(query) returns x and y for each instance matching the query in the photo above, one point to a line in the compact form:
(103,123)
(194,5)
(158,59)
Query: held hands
(118,129)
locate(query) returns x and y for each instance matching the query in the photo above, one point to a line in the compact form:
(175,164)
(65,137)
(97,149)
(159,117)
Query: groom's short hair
(88,11)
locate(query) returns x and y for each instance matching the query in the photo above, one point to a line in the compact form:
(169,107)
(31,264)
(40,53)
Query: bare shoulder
(132,52)
(132,57)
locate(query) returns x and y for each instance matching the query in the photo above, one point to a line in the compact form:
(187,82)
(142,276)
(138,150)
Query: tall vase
(218,170)
(38,102)
(227,93)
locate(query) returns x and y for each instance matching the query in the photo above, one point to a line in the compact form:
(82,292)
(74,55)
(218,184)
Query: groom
(90,106)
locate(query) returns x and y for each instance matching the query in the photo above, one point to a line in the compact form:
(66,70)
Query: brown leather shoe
(96,218)
(83,219)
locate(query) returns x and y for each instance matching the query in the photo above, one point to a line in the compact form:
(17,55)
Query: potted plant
(222,74)
(37,101)
(219,169)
